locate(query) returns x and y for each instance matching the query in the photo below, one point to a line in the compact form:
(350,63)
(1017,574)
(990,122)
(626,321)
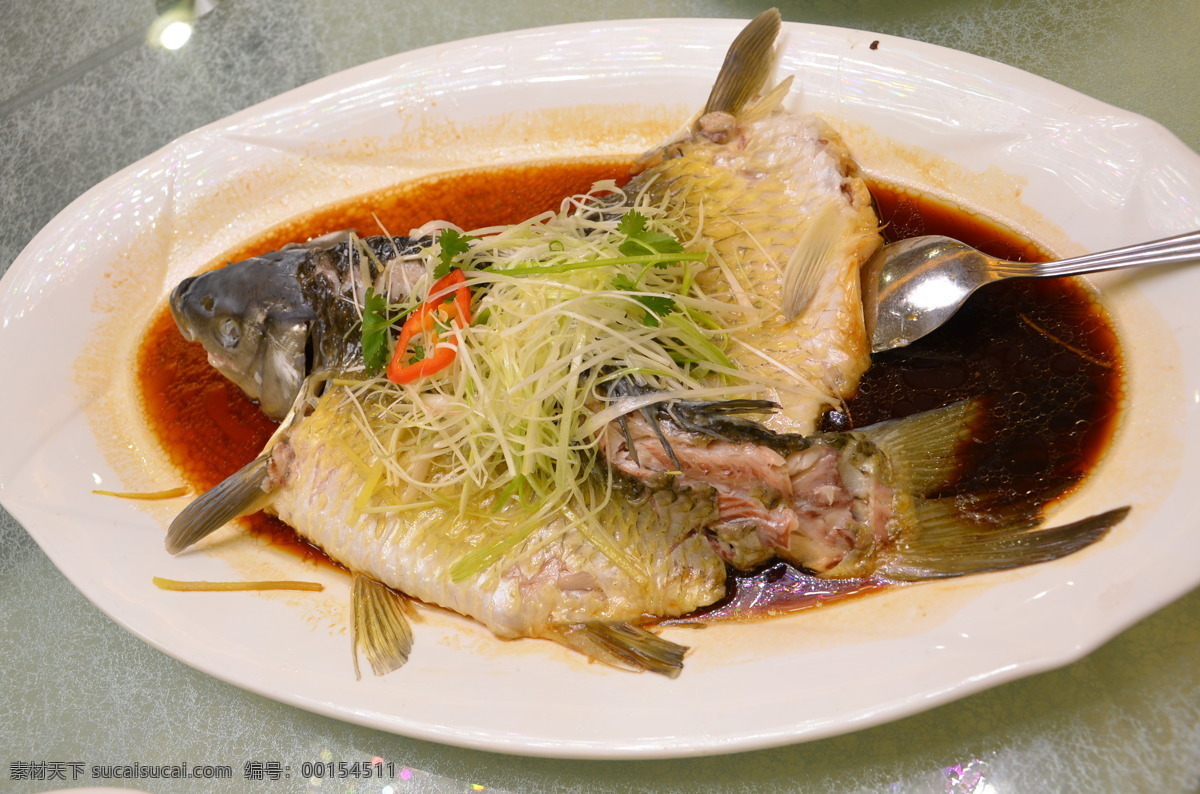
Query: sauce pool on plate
(1042,352)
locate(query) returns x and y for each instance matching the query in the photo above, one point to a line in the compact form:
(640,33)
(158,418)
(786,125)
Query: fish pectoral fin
(718,418)
(925,450)
(624,645)
(811,259)
(747,65)
(239,494)
(381,628)
(954,544)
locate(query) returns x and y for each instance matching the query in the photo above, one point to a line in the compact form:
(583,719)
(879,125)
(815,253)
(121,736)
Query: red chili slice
(451,302)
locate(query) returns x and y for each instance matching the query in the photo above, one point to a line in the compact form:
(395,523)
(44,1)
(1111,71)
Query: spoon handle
(1179,248)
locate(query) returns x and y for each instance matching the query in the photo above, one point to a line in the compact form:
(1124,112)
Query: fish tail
(239,494)
(926,450)
(625,646)
(968,533)
(747,65)
(950,542)
(380,626)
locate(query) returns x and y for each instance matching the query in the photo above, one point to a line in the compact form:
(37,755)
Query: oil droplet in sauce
(1042,352)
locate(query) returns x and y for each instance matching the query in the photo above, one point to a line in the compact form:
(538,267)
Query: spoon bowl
(911,287)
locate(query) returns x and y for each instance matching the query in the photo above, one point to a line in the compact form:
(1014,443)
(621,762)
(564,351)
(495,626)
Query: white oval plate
(1073,172)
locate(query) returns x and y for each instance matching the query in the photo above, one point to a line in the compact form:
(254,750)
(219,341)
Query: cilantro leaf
(622,281)
(375,326)
(453,243)
(656,306)
(632,224)
(651,243)
(640,242)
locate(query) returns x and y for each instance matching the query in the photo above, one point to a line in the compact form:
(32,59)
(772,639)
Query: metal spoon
(912,286)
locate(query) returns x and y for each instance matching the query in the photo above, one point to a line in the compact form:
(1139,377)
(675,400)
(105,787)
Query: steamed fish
(569,428)
(558,581)
(641,540)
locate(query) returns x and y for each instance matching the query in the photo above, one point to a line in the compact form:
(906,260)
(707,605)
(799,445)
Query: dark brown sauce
(1042,352)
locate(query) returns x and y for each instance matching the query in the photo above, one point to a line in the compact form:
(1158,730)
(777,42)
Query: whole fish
(564,447)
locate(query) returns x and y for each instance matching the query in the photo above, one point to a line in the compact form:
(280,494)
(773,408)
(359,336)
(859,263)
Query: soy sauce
(1043,354)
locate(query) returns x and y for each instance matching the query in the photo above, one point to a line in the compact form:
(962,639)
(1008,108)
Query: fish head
(253,320)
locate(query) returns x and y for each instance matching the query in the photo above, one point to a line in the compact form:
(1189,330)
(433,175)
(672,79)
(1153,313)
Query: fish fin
(952,543)
(380,625)
(810,260)
(623,424)
(624,645)
(925,449)
(239,494)
(718,418)
(747,65)
(662,438)
(722,407)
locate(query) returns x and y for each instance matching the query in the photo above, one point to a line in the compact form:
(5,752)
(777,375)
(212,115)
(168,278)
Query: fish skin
(824,349)
(553,579)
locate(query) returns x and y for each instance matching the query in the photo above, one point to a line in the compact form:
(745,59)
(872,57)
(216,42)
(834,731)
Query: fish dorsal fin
(239,494)
(924,450)
(624,645)
(811,259)
(381,628)
(951,542)
(747,64)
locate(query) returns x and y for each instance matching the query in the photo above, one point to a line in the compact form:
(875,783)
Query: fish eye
(228,332)
(207,303)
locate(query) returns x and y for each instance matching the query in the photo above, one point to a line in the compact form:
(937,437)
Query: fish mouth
(182,321)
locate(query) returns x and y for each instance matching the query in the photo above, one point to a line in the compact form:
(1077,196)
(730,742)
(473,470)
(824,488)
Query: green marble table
(81,96)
